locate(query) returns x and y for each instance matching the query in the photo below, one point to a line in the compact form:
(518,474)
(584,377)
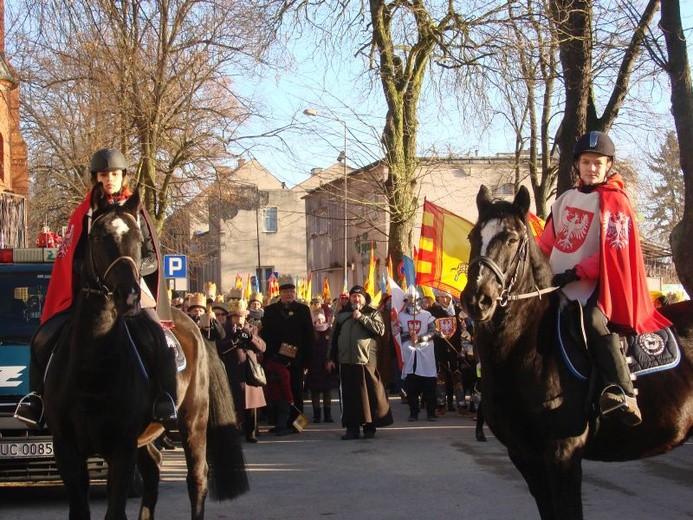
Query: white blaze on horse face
(119,228)
(490,230)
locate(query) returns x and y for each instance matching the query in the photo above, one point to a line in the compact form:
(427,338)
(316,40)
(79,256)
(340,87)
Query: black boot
(352,433)
(164,408)
(316,414)
(618,397)
(328,414)
(30,410)
(282,418)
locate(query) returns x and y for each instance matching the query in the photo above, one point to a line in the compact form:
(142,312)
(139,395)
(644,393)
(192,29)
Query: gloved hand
(564,278)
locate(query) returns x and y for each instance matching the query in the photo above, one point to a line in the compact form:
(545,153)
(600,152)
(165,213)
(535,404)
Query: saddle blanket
(646,353)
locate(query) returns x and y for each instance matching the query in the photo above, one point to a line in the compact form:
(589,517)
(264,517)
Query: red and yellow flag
(444,250)
(326,295)
(536,225)
(272,287)
(248,288)
(239,282)
(370,283)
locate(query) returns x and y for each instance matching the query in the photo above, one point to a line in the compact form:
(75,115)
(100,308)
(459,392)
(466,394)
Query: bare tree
(678,68)
(153,78)
(403,41)
(574,24)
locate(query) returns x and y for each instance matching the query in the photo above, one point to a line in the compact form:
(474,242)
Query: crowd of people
(347,344)
(340,351)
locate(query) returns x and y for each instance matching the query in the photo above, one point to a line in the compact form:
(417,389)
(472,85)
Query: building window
(269,220)
(505,189)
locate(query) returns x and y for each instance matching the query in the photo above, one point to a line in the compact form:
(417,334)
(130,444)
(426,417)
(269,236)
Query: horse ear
(98,197)
(522,200)
(483,198)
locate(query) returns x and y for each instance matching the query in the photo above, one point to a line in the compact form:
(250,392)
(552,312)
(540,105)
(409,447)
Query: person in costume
(592,242)
(243,342)
(419,369)
(354,347)
(108,166)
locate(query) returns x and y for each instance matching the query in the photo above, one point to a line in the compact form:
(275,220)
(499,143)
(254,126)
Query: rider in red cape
(592,243)
(108,167)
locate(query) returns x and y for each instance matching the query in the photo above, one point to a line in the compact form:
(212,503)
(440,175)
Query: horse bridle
(519,258)
(100,280)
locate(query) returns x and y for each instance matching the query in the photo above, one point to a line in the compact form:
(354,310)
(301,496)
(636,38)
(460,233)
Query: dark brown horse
(99,395)
(533,405)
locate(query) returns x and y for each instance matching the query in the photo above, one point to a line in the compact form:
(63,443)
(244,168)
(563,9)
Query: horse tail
(227,471)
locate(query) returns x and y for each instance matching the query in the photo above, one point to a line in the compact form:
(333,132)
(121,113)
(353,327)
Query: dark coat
(291,324)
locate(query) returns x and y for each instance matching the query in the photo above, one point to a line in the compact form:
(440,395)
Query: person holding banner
(419,371)
(447,345)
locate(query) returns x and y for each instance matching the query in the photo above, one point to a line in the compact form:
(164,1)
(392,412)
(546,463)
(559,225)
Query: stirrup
(614,402)
(27,408)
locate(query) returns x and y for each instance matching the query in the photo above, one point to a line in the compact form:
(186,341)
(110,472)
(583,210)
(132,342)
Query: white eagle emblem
(573,229)
(616,229)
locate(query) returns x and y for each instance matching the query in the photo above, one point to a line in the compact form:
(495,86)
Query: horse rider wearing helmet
(109,167)
(592,243)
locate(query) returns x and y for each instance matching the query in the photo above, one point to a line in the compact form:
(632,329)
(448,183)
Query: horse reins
(520,257)
(100,280)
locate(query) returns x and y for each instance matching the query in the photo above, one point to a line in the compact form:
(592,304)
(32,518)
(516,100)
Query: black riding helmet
(106,160)
(596,142)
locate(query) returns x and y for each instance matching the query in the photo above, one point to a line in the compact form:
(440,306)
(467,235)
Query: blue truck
(26,454)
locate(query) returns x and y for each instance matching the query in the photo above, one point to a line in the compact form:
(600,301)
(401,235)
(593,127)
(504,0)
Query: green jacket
(354,342)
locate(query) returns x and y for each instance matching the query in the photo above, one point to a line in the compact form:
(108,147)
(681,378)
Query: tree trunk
(573,20)
(679,72)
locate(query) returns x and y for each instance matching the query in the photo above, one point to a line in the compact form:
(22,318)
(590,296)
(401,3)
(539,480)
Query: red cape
(61,285)
(623,293)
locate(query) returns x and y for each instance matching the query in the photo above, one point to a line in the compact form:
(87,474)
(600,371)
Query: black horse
(533,405)
(98,396)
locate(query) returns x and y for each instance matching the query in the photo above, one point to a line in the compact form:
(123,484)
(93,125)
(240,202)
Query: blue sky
(339,89)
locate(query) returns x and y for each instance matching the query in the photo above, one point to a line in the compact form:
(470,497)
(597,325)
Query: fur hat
(255,297)
(238,308)
(197,300)
(235,294)
(358,289)
(286,281)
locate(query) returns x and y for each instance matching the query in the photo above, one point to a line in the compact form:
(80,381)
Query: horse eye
(513,240)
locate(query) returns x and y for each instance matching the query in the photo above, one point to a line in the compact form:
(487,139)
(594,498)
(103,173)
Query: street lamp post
(314,113)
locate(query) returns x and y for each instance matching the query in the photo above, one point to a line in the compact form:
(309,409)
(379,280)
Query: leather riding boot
(30,407)
(164,409)
(328,414)
(316,414)
(618,397)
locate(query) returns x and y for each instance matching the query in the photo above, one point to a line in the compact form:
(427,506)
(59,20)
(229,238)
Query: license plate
(26,449)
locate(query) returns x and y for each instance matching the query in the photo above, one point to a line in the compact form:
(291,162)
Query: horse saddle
(646,353)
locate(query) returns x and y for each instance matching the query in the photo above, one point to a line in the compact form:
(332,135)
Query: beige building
(14,173)
(248,222)
(450,183)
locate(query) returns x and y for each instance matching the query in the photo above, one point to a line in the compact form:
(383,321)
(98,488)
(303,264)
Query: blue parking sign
(175,266)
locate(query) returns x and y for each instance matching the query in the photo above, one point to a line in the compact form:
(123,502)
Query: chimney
(241,161)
